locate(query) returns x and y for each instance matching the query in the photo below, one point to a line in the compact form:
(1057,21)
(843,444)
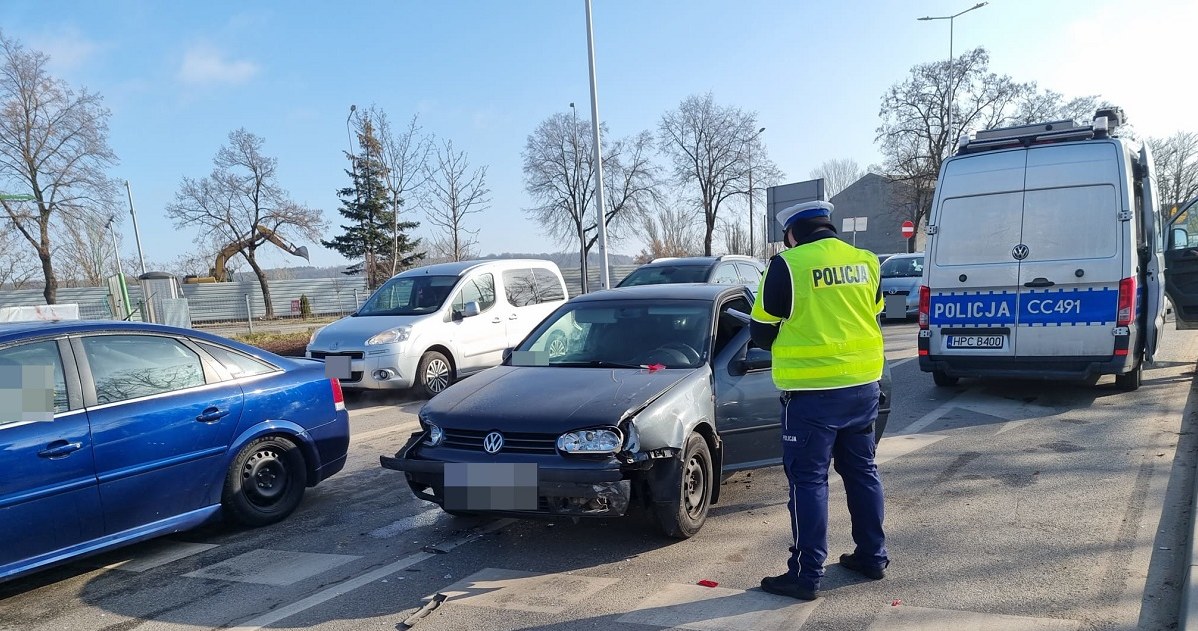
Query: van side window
(749,274)
(480,289)
(549,288)
(725,274)
(520,287)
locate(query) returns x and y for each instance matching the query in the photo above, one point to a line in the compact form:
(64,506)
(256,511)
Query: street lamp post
(750,227)
(136,235)
(599,206)
(578,210)
(948,92)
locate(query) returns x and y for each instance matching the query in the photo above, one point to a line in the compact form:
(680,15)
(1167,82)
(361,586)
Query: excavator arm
(219,274)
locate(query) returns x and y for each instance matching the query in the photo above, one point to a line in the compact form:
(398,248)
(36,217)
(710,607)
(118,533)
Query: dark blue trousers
(837,426)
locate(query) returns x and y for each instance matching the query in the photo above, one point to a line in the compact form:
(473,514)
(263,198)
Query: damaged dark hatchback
(639,396)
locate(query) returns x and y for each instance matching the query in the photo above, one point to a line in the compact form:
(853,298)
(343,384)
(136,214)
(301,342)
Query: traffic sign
(908,229)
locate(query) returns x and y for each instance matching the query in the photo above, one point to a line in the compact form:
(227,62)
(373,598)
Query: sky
(178,77)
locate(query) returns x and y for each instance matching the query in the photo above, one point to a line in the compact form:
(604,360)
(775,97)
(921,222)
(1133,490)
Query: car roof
(457,268)
(909,255)
(16,331)
(667,291)
(683,260)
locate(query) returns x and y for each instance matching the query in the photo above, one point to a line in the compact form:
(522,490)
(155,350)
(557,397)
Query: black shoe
(784,586)
(850,562)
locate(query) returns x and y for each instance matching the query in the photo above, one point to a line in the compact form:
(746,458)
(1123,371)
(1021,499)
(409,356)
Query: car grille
(513,442)
(349,354)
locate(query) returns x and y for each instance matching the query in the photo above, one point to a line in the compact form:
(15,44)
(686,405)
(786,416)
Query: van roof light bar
(1106,121)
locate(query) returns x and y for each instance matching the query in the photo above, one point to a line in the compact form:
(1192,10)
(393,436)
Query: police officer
(817,312)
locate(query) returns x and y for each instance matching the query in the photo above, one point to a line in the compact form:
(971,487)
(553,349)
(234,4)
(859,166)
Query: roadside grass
(289,344)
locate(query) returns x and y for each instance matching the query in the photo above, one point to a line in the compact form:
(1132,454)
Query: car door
(748,413)
(1181,265)
(1154,279)
(479,339)
(48,496)
(161,421)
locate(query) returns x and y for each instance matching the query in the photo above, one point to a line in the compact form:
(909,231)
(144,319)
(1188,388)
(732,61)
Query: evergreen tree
(372,235)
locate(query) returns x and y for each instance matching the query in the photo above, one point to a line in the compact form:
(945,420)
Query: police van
(1046,256)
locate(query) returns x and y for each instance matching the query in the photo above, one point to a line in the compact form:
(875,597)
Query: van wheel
(943,380)
(1132,380)
(686,511)
(434,373)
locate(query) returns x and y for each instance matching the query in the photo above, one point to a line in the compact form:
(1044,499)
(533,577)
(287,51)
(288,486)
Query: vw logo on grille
(892,292)
(493,442)
(1020,252)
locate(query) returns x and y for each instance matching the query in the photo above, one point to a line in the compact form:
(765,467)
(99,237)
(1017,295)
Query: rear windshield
(979,229)
(1079,222)
(666,274)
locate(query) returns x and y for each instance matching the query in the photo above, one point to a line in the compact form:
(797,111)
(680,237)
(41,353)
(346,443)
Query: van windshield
(902,267)
(410,295)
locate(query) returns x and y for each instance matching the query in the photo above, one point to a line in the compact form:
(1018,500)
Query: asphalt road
(1010,505)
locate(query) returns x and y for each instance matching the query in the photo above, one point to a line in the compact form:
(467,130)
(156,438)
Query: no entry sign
(908,229)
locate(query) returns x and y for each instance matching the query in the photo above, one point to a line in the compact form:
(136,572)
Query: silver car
(901,275)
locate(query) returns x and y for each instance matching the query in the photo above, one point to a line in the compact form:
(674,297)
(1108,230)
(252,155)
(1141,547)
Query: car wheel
(1132,380)
(943,380)
(266,481)
(434,373)
(685,513)
(558,345)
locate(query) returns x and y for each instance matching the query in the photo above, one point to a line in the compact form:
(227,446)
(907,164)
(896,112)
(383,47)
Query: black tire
(1131,381)
(685,512)
(434,373)
(265,482)
(943,380)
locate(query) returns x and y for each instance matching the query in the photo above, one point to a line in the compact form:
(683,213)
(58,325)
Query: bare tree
(454,193)
(710,146)
(87,250)
(559,174)
(669,231)
(736,237)
(1176,160)
(53,147)
(838,174)
(16,270)
(405,157)
(914,137)
(242,205)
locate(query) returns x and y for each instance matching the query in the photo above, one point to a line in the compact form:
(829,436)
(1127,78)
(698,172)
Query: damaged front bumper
(592,487)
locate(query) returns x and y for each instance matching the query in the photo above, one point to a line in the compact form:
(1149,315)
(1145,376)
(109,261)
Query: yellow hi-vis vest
(831,338)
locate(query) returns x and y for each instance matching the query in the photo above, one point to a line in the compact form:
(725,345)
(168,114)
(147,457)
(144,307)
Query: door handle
(496,320)
(211,415)
(513,317)
(1039,282)
(59,448)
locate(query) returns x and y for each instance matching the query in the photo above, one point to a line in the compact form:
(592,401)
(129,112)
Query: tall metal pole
(950,141)
(581,213)
(600,207)
(763,237)
(136,235)
(120,272)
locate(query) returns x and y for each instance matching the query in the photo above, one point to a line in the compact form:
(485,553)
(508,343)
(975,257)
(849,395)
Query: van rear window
(1078,222)
(978,229)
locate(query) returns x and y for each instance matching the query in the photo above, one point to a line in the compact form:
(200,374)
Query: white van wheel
(943,380)
(1131,381)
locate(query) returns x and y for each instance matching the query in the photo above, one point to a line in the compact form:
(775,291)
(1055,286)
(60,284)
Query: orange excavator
(218,274)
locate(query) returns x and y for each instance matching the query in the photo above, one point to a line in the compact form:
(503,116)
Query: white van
(429,326)
(1044,256)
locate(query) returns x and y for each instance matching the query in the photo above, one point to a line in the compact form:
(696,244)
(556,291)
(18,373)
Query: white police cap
(804,210)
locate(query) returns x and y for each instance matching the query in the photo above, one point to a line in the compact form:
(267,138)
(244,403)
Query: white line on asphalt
(402,427)
(928,419)
(347,586)
(419,520)
(899,362)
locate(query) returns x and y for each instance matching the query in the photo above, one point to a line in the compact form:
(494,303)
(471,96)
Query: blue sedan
(117,432)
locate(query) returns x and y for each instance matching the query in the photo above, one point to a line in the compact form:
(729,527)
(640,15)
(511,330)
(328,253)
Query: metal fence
(236,306)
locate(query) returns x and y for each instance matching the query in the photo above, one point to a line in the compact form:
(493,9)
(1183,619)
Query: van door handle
(496,320)
(59,448)
(513,317)
(1039,282)
(211,415)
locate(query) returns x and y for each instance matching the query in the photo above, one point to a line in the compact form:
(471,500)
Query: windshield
(902,267)
(633,334)
(666,274)
(409,295)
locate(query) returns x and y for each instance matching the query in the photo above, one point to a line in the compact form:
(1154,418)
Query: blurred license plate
(992,342)
(491,486)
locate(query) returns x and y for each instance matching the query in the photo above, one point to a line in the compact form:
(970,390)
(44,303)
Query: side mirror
(507,355)
(471,309)
(755,359)
(1179,239)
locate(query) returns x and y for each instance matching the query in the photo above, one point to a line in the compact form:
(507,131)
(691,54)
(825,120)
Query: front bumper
(594,489)
(363,366)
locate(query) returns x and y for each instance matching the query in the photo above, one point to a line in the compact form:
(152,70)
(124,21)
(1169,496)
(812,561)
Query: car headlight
(390,336)
(590,441)
(435,435)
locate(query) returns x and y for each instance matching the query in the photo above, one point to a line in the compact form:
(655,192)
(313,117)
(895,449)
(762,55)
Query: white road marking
(907,618)
(349,585)
(157,553)
(892,447)
(895,363)
(365,436)
(419,520)
(272,567)
(524,591)
(719,609)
